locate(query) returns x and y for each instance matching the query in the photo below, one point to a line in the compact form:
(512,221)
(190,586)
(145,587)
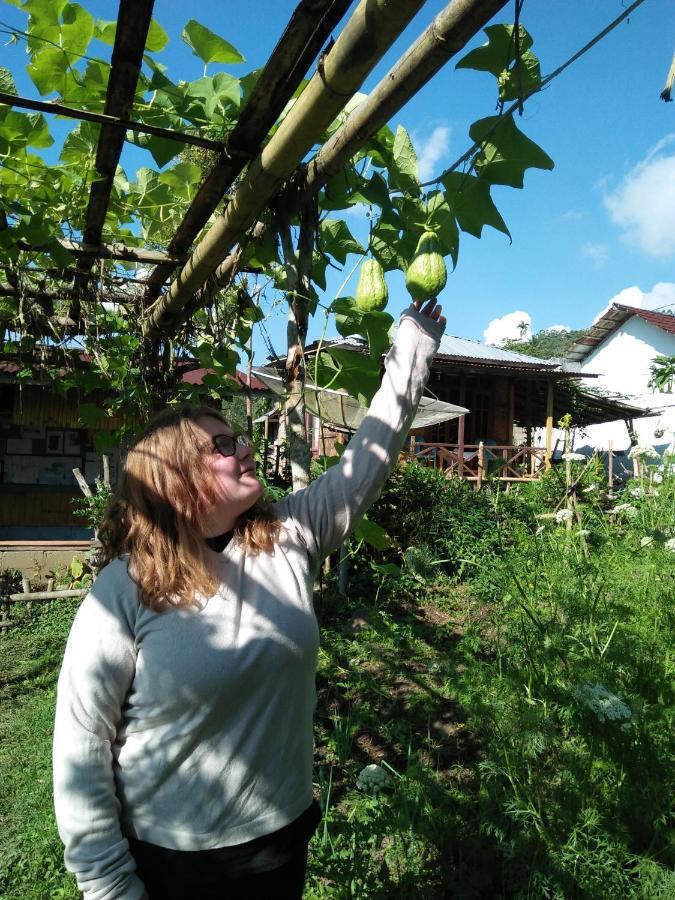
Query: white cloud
(508,328)
(661,297)
(598,253)
(644,203)
(431,151)
(572,215)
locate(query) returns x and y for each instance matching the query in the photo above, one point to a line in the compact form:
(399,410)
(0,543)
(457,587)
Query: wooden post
(106,469)
(481,465)
(610,469)
(461,427)
(549,424)
(84,487)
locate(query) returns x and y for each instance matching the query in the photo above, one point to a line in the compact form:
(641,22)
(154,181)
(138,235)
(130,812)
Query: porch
(476,462)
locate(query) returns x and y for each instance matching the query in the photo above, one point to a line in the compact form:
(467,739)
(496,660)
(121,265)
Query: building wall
(623,362)
(40,445)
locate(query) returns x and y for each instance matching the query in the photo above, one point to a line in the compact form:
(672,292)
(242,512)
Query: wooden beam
(371,30)
(84,115)
(309,28)
(133,23)
(111,251)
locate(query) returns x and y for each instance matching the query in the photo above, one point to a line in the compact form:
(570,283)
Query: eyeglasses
(226,444)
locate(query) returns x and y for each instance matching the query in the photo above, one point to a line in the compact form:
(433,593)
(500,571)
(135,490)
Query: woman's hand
(431,309)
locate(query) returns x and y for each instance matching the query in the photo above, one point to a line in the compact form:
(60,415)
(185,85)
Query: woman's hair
(158,510)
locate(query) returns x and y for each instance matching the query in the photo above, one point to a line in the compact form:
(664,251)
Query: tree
(545,344)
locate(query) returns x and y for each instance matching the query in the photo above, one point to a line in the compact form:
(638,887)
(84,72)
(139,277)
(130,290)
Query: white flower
(564,515)
(625,509)
(646,541)
(590,488)
(637,492)
(574,457)
(603,703)
(670,544)
(372,778)
(643,452)
(583,532)
(657,478)
(540,529)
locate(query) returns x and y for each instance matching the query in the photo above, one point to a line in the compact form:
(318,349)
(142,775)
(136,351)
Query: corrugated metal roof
(463,348)
(609,321)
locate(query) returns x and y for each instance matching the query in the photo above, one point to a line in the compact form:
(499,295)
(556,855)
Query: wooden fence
(29,597)
(476,462)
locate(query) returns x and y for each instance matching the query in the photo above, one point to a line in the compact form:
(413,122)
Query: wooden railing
(476,462)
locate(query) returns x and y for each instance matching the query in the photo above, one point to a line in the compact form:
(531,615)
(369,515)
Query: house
(621,347)
(41,442)
(508,395)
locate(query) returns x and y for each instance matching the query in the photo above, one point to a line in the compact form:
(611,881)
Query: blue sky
(601,223)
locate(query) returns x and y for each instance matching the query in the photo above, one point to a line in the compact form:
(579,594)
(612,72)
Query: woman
(183,735)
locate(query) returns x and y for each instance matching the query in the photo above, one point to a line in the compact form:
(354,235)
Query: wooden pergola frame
(341,69)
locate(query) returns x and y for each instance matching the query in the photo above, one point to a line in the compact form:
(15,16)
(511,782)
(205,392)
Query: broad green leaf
(357,374)
(376,191)
(8,308)
(209,47)
(163,150)
(7,84)
(104,31)
(62,258)
(44,22)
(47,70)
(211,96)
(90,414)
(470,200)
(384,245)
(442,221)
(377,537)
(506,153)
(183,178)
(514,84)
(336,238)
(77,29)
(403,169)
(319,264)
(262,252)
(374,326)
(157,38)
(80,145)
(498,52)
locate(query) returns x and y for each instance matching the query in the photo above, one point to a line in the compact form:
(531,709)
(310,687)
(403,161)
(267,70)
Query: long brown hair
(158,510)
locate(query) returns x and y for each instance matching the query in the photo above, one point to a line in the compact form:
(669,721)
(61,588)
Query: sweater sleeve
(97,671)
(330,508)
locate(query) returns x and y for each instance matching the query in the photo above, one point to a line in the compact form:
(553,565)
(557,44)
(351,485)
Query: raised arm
(98,668)
(331,507)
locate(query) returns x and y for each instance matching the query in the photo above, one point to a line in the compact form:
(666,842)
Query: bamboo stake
(368,34)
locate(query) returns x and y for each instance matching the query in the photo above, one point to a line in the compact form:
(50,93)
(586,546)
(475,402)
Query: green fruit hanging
(371,291)
(426,274)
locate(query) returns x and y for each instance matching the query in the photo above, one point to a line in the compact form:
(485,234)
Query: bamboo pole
(368,34)
(448,33)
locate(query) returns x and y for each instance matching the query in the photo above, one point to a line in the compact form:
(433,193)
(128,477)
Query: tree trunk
(299,271)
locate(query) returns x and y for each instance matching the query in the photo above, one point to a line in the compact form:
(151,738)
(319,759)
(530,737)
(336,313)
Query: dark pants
(270,867)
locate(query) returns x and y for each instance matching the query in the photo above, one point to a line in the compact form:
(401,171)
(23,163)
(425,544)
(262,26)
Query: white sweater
(193,729)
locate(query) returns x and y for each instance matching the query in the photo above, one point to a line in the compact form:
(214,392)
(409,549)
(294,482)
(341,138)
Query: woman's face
(234,480)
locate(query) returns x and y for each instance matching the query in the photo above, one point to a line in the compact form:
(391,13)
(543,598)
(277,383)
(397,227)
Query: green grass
(31,854)
(475,697)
